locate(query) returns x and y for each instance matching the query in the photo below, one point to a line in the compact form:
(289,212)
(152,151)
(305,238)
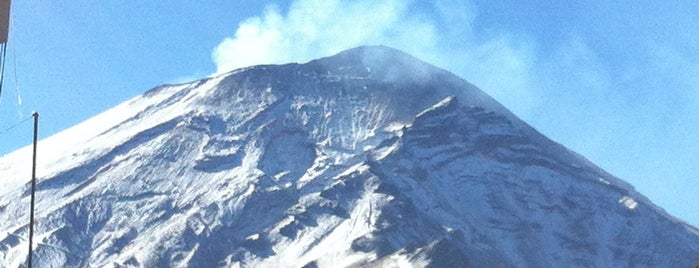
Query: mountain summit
(366,158)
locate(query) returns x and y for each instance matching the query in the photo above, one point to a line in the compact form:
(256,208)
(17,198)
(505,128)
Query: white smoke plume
(313,28)
(439,32)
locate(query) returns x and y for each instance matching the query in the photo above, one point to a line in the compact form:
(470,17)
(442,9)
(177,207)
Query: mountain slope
(366,158)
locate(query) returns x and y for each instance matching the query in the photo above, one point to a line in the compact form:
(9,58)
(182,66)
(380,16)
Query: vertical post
(31,211)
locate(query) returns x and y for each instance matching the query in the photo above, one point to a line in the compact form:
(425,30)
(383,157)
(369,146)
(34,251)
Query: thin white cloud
(679,68)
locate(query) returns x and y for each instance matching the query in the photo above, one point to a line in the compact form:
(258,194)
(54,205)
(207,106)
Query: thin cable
(2,67)
(14,64)
(13,43)
(8,129)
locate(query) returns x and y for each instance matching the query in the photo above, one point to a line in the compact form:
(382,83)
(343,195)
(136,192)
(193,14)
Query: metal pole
(31,211)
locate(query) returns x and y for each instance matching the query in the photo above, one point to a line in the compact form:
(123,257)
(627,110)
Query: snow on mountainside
(366,158)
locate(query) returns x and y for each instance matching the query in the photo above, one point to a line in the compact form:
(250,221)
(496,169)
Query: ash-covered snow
(366,158)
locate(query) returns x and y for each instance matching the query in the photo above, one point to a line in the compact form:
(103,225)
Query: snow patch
(603,181)
(440,104)
(628,202)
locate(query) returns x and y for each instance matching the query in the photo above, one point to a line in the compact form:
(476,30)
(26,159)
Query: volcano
(368,158)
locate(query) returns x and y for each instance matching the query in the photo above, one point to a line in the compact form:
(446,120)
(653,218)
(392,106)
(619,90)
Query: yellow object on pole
(4,20)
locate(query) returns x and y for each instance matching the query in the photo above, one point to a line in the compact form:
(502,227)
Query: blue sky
(617,81)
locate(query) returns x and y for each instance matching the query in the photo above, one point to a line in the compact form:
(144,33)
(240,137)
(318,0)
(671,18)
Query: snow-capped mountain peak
(366,158)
